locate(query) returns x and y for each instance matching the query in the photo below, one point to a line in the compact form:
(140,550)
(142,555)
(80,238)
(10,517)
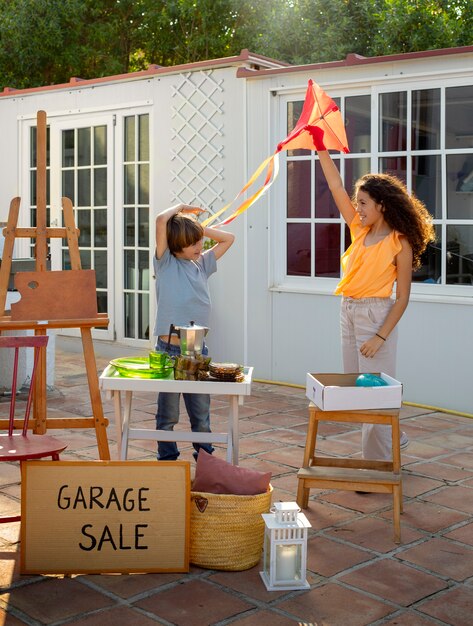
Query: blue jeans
(167,416)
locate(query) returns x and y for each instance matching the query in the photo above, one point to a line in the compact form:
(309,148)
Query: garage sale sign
(105,516)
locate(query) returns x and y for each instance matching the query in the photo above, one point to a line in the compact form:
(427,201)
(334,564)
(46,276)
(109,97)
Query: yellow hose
(436,408)
(419,406)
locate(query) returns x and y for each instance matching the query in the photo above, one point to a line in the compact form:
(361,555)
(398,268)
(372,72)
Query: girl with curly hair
(390,229)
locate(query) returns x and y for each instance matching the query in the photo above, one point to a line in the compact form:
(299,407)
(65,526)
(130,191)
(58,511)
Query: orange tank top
(368,271)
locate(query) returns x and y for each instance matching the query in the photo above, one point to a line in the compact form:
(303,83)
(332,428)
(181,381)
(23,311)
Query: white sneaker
(404,441)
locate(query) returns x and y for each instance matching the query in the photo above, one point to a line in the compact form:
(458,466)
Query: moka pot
(191,337)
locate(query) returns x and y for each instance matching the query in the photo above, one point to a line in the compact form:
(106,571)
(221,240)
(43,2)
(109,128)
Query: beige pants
(360,319)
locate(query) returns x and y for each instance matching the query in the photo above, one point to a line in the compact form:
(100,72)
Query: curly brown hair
(401,210)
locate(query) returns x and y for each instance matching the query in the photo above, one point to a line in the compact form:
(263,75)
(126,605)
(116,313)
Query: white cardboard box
(335,392)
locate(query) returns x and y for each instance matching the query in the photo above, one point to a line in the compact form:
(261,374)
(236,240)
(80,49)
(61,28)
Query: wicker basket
(227,531)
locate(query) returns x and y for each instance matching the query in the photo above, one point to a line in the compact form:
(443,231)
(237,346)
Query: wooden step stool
(352,474)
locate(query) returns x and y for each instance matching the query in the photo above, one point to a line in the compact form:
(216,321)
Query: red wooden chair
(21,446)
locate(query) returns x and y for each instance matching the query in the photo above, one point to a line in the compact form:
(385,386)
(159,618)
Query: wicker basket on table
(227,531)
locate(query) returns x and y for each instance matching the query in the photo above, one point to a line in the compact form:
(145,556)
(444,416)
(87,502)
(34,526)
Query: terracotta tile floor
(358,576)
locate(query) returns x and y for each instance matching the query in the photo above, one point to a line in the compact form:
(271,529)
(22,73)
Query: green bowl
(138,367)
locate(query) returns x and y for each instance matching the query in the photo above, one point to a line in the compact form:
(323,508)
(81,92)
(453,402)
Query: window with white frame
(32,172)
(136,234)
(84,180)
(423,136)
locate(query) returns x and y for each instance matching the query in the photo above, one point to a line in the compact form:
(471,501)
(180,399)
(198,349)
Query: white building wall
(170,114)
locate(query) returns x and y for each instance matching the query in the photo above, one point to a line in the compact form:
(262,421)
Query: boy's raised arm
(162,220)
(223,238)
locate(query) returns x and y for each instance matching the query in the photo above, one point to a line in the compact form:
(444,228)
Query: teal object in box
(370,380)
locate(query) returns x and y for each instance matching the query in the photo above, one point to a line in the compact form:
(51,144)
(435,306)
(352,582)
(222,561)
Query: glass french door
(82,165)
(136,233)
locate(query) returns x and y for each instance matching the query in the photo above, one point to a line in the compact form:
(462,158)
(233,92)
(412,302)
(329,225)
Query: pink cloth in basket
(213,475)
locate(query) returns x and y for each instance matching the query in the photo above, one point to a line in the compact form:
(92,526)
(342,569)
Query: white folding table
(113,385)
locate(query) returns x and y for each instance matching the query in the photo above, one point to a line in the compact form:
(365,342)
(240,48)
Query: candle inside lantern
(286,562)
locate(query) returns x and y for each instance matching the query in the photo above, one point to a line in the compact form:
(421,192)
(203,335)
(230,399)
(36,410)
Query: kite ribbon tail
(272,162)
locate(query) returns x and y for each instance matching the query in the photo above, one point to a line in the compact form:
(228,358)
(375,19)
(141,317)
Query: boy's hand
(187,208)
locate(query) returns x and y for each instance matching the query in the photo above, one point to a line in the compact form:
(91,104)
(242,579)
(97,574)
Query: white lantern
(285,548)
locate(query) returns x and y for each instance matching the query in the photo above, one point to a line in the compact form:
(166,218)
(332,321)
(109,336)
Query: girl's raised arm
(334,181)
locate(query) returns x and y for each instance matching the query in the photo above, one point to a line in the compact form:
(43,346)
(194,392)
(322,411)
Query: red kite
(320,127)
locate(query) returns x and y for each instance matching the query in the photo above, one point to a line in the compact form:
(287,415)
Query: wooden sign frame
(85,517)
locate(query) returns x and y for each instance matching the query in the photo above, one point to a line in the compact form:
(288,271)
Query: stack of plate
(139,367)
(231,372)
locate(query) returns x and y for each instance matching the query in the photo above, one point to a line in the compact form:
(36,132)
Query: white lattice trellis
(197,144)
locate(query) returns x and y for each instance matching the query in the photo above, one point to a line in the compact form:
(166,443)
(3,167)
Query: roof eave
(245,59)
(353,60)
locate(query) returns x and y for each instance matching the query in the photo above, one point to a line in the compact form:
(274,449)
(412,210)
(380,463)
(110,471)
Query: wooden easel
(41,233)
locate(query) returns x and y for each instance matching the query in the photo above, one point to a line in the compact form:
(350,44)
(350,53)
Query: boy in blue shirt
(182,269)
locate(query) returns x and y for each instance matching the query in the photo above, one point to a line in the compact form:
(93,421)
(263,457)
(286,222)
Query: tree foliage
(48,41)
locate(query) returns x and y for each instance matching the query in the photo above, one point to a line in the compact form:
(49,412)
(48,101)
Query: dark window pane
(130,273)
(100,263)
(129,182)
(458,117)
(129,225)
(358,123)
(327,250)
(100,186)
(83,146)
(85,259)
(431,269)
(100,228)
(355,169)
(460,186)
(426,182)
(426,119)
(143,312)
(48,146)
(143,189)
(66,260)
(324,203)
(100,145)
(396,166)
(143,145)
(68,148)
(298,249)
(392,121)
(460,255)
(129,139)
(83,224)
(102,306)
(48,187)
(143,261)
(83,188)
(33,187)
(298,189)
(294,110)
(68,184)
(33,146)
(143,227)
(129,314)
(347,237)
